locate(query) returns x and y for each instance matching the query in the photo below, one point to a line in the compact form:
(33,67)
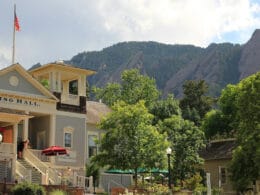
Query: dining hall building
(47,106)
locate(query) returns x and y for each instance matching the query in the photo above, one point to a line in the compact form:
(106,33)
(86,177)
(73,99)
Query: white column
(53,80)
(52,133)
(25,128)
(82,85)
(58,82)
(15,132)
(65,89)
(52,130)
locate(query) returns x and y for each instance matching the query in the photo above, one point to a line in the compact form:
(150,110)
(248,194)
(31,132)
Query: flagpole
(14,36)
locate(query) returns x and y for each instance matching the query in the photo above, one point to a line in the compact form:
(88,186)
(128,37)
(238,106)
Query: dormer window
(73,87)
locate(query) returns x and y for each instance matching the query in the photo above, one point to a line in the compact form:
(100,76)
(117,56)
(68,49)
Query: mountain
(172,65)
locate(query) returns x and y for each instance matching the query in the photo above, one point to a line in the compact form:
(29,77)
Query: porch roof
(12,116)
(219,149)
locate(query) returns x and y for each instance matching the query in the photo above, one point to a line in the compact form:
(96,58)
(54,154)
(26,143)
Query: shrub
(58,192)
(193,182)
(216,191)
(28,189)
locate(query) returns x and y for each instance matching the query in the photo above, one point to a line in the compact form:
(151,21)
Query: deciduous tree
(245,165)
(163,109)
(131,142)
(186,140)
(134,87)
(195,99)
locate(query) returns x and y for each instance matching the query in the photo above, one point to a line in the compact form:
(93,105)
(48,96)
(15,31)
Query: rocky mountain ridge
(172,65)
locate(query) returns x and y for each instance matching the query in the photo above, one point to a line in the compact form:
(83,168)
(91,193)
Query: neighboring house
(95,112)
(47,117)
(217,155)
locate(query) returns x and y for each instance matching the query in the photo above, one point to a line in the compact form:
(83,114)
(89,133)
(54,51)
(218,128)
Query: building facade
(50,115)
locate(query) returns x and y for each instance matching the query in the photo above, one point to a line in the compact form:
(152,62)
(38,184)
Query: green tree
(229,107)
(245,165)
(92,169)
(186,140)
(109,94)
(216,124)
(131,142)
(195,99)
(45,83)
(134,87)
(163,109)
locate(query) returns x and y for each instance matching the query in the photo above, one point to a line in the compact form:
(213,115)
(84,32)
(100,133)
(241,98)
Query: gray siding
(23,86)
(79,136)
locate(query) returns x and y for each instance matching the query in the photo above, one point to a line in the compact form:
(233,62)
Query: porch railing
(70,99)
(51,173)
(38,154)
(24,174)
(6,149)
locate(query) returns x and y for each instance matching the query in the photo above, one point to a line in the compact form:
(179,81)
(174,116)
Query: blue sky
(59,29)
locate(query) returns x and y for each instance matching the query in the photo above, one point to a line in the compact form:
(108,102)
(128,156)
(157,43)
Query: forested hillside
(170,65)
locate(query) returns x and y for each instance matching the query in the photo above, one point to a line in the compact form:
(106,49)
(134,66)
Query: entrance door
(41,140)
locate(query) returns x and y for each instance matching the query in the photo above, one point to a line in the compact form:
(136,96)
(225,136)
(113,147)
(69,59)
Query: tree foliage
(216,124)
(109,94)
(28,189)
(134,87)
(131,142)
(163,109)
(186,140)
(245,165)
(195,99)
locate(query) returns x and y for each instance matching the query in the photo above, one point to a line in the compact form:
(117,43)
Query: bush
(216,191)
(28,189)
(193,182)
(58,192)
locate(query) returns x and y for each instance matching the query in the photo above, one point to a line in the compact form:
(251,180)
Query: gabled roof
(61,66)
(17,67)
(95,111)
(219,149)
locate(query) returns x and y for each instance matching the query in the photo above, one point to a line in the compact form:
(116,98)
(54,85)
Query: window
(92,146)
(73,87)
(68,137)
(223,175)
(68,140)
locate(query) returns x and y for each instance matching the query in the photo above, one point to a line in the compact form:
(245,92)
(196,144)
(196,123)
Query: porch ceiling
(12,116)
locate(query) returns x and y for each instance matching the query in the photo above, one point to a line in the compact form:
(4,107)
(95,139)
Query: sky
(53,30)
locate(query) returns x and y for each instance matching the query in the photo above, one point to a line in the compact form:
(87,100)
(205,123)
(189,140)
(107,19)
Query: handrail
(38,154)
(24,173)
(81,181)
(112,181)
(42,167)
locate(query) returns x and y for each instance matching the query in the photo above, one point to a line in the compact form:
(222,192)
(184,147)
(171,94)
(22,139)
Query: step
(36,175)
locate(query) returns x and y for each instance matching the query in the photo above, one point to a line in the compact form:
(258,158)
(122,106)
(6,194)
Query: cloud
(53,30)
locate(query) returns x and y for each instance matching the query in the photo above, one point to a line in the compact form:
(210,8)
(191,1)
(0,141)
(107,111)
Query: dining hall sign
(20,101)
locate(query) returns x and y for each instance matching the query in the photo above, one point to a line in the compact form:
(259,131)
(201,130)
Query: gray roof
(219,149)
(95,111)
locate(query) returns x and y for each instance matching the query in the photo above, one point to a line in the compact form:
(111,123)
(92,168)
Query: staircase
(36,175)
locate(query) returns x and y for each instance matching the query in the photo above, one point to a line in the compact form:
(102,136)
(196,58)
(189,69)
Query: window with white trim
(92,146)
(223,175)
(68,137)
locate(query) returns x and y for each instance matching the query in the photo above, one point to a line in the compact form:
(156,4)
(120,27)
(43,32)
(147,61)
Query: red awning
(54,150)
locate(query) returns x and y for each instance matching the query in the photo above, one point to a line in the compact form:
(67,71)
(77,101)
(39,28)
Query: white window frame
(69,130)
(220,175)
(91,134)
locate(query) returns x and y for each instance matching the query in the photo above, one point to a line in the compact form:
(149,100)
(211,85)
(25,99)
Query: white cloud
(60,29)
